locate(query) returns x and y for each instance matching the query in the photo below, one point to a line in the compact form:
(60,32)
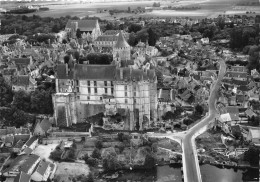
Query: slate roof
(61,72)
(134,74)
(31,140)
(21,61)
(10,71)
(45,124)
(21,80)
(29,162)
(111,32)
(236,74)
(95,72)
(22,177)
(121,42)
(107,38)
(42,167)
(83,25)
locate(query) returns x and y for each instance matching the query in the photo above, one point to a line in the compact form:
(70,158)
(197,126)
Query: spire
(121,42)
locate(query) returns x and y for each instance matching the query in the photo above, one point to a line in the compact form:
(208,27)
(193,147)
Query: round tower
(122,49)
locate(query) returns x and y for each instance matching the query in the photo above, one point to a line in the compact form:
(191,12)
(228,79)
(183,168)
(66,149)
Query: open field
(67,170)
(209,8)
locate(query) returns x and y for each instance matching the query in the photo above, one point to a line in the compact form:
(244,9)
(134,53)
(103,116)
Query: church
(86,27)
(84,90)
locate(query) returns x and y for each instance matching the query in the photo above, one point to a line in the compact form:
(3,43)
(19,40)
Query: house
(42,171)
(255,73)
(250,113)
(22,177)
(31,143)
(23,82)
(254,136)
(42,127)
(22,163)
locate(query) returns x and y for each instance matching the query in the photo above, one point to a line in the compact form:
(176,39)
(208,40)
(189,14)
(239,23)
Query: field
(67,170)
(209,8)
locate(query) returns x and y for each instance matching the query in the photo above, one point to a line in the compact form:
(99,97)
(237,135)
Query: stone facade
(86,90)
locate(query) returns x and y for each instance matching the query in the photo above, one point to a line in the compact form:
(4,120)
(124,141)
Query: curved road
(190,160)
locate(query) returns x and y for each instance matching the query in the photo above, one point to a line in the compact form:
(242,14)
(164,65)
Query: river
(171,174)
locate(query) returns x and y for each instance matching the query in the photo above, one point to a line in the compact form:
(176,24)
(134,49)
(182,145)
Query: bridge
(191,169)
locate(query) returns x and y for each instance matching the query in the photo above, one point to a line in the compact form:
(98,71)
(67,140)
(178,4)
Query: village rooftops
(83,25)
(26,166)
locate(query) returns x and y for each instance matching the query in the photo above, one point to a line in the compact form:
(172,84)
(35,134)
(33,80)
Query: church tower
(122,50)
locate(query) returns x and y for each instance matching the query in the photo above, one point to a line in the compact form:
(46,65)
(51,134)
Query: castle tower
(121,50)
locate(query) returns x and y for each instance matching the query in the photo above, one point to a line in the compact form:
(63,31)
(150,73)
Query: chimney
(121,74)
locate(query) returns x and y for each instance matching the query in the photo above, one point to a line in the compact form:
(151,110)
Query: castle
(83,90)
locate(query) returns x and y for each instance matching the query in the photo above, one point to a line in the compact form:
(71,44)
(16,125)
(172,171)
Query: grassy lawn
(66,170)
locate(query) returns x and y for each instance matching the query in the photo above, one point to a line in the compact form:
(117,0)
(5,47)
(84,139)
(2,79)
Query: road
(190,163)
(187,139)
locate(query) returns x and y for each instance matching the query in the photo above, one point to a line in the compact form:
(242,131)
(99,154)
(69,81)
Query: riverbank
(169,173)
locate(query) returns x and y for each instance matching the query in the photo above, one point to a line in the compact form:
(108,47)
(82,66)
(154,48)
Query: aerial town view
(129,90)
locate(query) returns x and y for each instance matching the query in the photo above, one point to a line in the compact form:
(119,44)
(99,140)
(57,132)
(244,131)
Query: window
(112,90)
(88,83)
(106,90)
(95,83)
(134,94)
(95,90)
(111,83)
(77,82)
(105,83)
(78,97)
(88,98)
(100,98)
(125,94)
(134,87)
(89,90)
(126,101)
(125,87)
(134,101)
(77,89)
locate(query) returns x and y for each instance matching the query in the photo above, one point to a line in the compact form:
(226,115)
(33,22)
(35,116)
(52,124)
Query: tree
(132,39)
(6,95)
(22,101)
(169,115)
(56,155)
(252,156)
(85,158)
(134,28)
(187,121)
(99,144)
(78,33)
(96,154)
(149,161)
(152,37)
(41,101)
(92,162)
(66,59)
(90,178)
(110,163)
(198,110)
